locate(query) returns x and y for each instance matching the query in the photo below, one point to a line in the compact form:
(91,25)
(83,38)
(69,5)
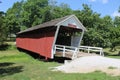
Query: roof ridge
(45,24)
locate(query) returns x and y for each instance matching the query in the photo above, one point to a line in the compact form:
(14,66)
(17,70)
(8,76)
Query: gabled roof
(54,22)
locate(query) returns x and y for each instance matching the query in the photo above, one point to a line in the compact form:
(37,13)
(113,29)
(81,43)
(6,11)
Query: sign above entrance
(72,25)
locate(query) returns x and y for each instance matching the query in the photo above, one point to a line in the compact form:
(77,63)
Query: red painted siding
(38,43)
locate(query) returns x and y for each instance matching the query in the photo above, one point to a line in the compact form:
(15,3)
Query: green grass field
(15,65)
(116,52)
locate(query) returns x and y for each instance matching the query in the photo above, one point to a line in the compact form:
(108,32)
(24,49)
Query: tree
(114,37)
(33,12)
(117,21)
(98,33)
(13,18)
(86,16)
(29,13)
(47,15)
(52,11)
(25,14)
(3,29)
(104,29)
(91,20)
(115,33)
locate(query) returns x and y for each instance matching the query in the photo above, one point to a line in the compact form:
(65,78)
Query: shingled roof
(46,24)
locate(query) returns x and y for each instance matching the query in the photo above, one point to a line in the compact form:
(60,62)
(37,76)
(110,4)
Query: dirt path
(90,64)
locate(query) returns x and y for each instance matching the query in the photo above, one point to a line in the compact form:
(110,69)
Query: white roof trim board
(73,16)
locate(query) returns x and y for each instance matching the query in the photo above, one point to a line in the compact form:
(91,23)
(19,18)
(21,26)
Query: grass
(112,54)
(117,57)
(108,52)
(15,65)
(111,67)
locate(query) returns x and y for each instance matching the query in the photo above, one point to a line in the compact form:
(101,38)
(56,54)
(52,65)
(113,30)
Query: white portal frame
(58,25)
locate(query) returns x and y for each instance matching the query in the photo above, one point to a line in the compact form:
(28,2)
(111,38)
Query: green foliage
(93,38)
(13,18)
(115,37)
(111,67)
(33,12)
(3,29)
(115,53)
(47,15)
(29,13)
(117,21)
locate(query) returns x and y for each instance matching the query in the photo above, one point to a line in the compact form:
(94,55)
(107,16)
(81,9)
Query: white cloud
(102,1)
(116,13)
(92,0)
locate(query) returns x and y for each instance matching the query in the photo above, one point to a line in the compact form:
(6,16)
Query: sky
(104,7)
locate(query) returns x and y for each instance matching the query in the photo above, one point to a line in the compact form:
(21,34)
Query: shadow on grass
(32,54)
(7,68)
(4,47)
(6,64)
(42,58)
(59,59)
(108,54)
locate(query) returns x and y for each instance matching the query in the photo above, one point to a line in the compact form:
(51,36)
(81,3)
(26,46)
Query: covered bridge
(51,37)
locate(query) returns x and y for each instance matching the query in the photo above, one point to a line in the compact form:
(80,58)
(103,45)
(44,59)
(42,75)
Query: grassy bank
(15,65)
(108,51)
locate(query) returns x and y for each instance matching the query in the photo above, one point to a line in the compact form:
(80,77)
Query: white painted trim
(81,37)
(80,23)
(89,48)
(75,50)
(65,49)
(83,28)
(53,45)
(57,30)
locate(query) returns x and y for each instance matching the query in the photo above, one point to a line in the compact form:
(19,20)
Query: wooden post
(53,45)
(63,51)
(88,50)
(100,53)
(55,49)
(46,58)
(81,38)
(75,53)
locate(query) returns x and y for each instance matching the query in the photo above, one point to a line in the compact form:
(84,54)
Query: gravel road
(90,64)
